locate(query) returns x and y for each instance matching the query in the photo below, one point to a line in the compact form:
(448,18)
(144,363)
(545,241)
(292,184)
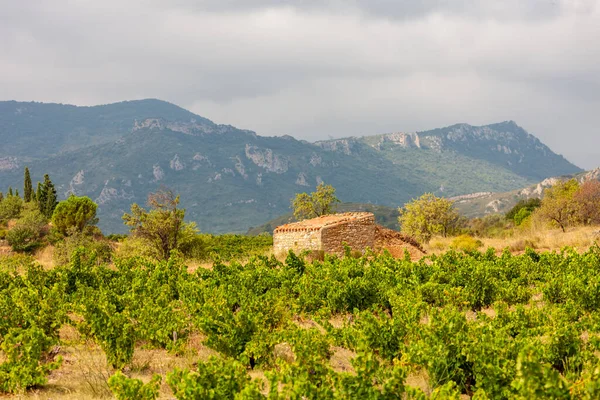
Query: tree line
(44,197)
(38,219)
(566,204)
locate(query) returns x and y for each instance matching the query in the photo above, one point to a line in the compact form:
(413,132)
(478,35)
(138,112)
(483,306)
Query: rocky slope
(232,179)
(485,203)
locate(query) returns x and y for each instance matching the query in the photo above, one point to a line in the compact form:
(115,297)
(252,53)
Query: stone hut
(327,233)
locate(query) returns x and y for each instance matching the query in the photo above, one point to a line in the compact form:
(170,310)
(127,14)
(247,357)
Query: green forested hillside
(231,179)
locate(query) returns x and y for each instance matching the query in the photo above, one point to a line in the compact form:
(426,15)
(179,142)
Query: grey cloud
(398,9)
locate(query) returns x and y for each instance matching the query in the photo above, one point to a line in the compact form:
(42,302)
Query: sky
(318,69)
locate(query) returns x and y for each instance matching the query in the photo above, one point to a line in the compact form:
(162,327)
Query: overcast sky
(315,69)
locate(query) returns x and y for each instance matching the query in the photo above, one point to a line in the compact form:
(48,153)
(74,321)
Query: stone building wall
(358,234)
(297,240)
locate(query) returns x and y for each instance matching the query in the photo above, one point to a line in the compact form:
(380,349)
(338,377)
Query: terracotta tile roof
(315,224)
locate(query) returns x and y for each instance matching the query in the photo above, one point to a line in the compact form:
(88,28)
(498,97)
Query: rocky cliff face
(230,179)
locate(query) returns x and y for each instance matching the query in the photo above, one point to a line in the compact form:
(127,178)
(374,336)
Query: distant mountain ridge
(232,179)
(505,144)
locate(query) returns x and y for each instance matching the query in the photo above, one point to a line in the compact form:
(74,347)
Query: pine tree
(10,192)
(27,187)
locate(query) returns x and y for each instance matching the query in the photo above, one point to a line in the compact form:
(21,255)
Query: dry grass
(84,371)
(45,256)
(341,359)
(580,238)
(193,265)
(419,380)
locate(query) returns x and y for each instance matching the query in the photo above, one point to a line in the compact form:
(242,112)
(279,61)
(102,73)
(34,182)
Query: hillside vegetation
(137,317)
(473,324)
(232,179)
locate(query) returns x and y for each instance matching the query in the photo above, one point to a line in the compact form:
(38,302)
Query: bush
(10,208)
(137,247)
(117,237)
(488,226)
(113,330)
(529,206)
(23,368)
(94,243)
(214,379)
(23,239)
(231,247)
(466,243)
(125,388)
(74,214)
(521,216)
(29,230)
(33,218)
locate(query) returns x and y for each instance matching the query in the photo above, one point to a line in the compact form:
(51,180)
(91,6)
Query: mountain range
(232,179)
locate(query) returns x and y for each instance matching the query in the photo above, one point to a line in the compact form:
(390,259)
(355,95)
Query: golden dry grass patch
(45,257)
(84,371)
(305,323)
(419,380)
(580,238)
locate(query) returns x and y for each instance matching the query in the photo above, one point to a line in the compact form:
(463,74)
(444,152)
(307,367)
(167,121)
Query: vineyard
(458,325)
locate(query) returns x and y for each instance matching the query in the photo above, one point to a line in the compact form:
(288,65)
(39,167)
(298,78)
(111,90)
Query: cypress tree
(41,195)
(10,192)
(17,192)
(38,194)
(1,197)
(47,197)
(27,187)
(51,201)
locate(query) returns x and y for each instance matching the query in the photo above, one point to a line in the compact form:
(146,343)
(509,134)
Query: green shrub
(214,379)
(489,226)
(229,247)
(117,237)
(33,218)
(29,230)
(113,330)
(466,243)
(522,215)
(537,380)
(74,214)
(95,244)
(125,388)
(10,208)
(523,207)
(137,247)
(23,239)
(24,350)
